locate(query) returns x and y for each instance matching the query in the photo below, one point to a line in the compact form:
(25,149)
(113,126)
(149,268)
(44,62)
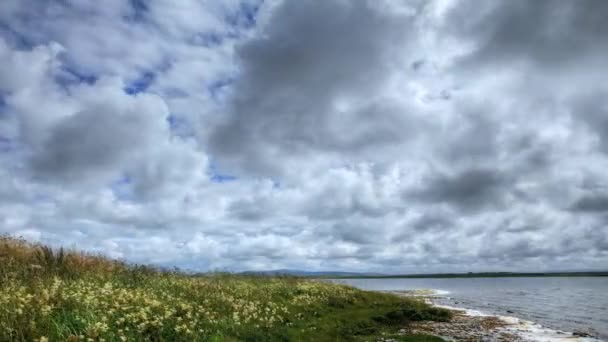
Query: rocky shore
(470,325)
(464,327)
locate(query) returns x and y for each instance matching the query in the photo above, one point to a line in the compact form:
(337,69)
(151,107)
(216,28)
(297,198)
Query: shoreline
(474,325)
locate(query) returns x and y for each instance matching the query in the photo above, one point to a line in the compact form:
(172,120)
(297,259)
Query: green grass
(65,295)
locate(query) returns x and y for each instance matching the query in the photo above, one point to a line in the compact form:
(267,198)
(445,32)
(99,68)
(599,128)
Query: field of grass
(54,295)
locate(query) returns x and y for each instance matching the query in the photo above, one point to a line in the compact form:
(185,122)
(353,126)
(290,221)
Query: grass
(58,295)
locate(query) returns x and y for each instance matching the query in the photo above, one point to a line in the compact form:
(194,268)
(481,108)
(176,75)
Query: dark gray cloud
(547,33)
(309,82)
(359,231)
(432,221)
(591,203)
(93,141)
(470,189)
(473,137)
(592,110)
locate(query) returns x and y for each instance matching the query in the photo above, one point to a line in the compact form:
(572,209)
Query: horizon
(400,136)
(600,270)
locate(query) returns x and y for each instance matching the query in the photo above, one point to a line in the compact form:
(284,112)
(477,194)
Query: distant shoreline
(470,275)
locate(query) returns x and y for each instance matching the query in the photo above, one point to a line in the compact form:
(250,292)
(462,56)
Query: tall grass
(61,295)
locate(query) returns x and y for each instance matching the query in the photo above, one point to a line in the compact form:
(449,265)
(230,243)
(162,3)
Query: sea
(561,303)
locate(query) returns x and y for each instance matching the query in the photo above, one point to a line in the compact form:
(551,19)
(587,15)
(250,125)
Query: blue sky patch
(140,84)
(4,109)
(123,188)
(217,89)
(218,177)
(207,39)
(42,198)
(246,16)
(18,40)
(173,121)
(174,93)
(140,8)
(69,77)
(179,126)
(6,145)
(276,184)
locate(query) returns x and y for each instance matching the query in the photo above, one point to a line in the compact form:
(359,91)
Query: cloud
(472,188)
(543,33)
(591,204)
(111,131)
(312,80)
(394,136)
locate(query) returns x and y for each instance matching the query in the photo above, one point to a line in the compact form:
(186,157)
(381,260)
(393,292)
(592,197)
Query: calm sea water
(570,304)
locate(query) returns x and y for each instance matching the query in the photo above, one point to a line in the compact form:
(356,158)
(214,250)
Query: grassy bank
(48,295)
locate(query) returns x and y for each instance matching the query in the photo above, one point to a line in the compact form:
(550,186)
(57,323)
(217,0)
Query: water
(569,304)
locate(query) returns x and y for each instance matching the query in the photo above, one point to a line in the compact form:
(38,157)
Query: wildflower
(46,309)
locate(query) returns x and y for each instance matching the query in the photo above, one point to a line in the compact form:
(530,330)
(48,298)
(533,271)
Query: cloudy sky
(370,135)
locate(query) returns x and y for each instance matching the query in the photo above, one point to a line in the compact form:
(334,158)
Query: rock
(581,334)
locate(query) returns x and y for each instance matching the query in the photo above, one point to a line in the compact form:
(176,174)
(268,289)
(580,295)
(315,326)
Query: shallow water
(569,304)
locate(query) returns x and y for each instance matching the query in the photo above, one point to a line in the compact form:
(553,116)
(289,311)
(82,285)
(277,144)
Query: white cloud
(355,135)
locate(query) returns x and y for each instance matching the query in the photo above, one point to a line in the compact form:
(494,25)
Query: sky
(386,136)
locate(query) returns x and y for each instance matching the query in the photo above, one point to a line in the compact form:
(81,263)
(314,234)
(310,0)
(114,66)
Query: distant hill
(486,275)
(324,274)
(337,274)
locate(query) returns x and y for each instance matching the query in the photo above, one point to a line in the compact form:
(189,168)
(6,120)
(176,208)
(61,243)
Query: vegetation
(57,295)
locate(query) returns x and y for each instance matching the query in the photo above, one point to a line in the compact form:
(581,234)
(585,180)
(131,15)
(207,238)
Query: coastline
(473,325)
